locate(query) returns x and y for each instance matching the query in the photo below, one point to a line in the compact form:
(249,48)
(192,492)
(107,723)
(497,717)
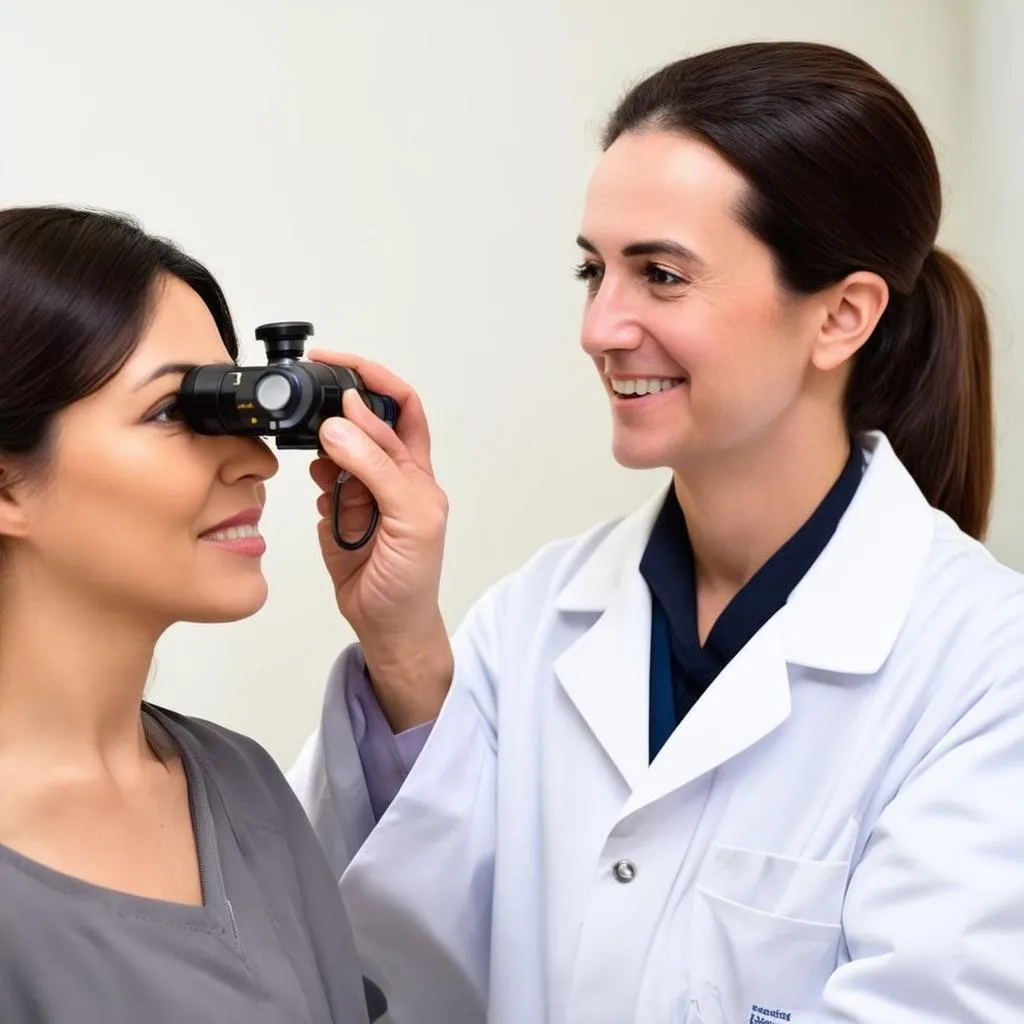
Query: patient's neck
(73,670)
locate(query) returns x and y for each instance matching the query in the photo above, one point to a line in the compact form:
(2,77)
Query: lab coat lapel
(841,619)
(606,675)
(606,671)
(747,701)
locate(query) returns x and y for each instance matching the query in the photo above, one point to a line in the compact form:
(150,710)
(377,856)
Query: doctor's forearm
(410,675)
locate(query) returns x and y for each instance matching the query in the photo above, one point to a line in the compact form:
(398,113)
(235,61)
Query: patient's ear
(13,512)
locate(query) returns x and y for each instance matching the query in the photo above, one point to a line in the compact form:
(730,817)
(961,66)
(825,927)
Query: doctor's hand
(388,589)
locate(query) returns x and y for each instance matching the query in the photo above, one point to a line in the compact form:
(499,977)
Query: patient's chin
(232,605)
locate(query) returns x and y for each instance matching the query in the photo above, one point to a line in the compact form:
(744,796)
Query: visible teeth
(234,533)
(645,385)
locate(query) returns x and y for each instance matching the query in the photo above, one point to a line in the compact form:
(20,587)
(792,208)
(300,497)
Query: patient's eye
(167,413)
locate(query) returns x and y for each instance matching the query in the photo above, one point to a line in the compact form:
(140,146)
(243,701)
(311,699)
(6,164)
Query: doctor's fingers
(354,497)
(377,429)
(412,425)
(398,484)
(324,471)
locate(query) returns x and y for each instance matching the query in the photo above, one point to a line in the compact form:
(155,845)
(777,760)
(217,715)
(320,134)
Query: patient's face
(123,511)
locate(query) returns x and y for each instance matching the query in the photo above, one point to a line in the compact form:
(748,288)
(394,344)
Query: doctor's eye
(662,276)
(590,272)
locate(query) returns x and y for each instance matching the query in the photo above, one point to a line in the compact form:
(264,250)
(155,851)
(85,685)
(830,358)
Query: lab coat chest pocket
(764,936)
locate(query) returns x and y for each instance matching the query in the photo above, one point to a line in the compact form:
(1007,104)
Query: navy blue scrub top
(681,669)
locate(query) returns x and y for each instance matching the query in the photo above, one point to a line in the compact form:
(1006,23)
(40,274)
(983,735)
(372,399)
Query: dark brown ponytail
(925,380)
(842,177)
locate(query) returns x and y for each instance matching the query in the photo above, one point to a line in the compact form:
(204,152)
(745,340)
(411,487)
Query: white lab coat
(834,833)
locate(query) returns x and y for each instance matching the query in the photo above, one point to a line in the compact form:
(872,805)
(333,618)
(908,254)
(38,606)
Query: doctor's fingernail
(338,430)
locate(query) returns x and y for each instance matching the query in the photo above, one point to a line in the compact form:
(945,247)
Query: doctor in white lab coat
(754,752)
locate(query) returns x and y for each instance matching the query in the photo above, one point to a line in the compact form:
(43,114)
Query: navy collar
(667,566)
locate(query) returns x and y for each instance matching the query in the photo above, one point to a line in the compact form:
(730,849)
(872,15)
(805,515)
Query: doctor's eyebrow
(654,247)
(179,369)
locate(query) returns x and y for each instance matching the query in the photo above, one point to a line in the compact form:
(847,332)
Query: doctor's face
(699,347)
(133,512)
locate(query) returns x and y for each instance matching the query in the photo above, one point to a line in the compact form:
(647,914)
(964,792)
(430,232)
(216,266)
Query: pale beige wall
(409,177)
(995,152)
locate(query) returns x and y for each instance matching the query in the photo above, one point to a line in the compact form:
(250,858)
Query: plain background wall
(409,177)
(995,148)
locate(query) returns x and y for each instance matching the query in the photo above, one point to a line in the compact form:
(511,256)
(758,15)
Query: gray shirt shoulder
(270,944)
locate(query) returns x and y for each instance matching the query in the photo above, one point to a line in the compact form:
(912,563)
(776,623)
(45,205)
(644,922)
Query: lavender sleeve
(386,756)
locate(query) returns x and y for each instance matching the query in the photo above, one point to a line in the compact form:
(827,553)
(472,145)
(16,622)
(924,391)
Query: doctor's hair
(841,177)
(77,289)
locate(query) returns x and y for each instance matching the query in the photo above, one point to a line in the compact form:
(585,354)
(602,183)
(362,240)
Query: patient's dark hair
(76,291)
(842,177)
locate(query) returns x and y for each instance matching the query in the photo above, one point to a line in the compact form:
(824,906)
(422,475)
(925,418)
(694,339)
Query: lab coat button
(624,871)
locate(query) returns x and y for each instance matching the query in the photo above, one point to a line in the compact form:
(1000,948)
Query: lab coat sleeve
(934,915)
(349,770)
(385,756)
(328,774)
(419,891)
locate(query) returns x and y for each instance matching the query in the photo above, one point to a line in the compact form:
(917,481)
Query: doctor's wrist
(411,675)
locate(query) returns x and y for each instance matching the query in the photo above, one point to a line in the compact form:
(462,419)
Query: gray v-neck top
(270,944)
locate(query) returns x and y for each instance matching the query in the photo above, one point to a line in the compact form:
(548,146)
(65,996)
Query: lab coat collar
(845,615)
(838,618)
(842,618)
(617,555)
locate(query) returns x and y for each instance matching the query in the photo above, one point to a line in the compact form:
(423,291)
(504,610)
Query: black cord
(336,530)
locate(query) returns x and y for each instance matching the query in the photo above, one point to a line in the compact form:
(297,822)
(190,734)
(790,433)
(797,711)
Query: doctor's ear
(852,308)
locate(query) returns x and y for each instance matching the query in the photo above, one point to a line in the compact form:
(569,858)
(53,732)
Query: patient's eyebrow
(179,369)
